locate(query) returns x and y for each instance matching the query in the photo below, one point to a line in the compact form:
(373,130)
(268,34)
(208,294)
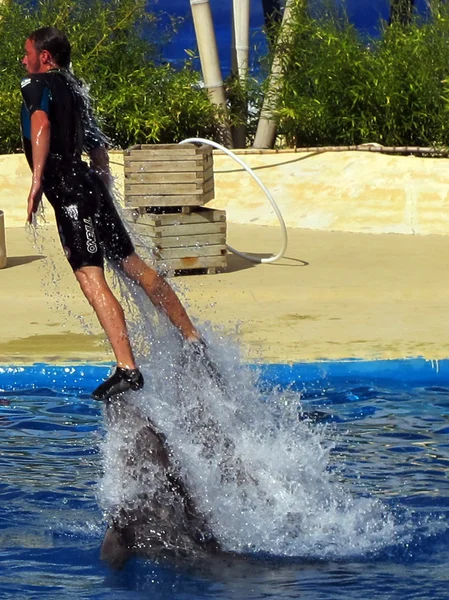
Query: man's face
(32,59)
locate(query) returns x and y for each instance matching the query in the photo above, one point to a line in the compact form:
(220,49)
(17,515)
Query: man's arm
(40,144)
(99,161)
(95,144)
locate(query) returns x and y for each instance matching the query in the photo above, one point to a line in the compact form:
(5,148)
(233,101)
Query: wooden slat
(160,189)
(208,196)
(204,149)
(167,201)
(208,173)
(191,251)
(191,262)
(201,262)
(171,230)
(178,153)
(165,178)
(167,146)
(163,166)
(183,241)
(202,215)
(209,185)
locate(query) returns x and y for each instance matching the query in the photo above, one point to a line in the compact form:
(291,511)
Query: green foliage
(338,89)
(244,102)
(137,99)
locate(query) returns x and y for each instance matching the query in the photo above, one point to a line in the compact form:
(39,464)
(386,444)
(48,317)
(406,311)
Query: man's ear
(46,57)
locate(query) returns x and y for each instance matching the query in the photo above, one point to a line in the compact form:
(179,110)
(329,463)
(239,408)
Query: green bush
(137,98)
(339,89)
(336,88)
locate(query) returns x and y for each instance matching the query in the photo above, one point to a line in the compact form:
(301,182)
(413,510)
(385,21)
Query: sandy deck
(334,295)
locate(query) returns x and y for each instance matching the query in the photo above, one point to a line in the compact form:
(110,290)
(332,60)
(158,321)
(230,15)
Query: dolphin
(161,520)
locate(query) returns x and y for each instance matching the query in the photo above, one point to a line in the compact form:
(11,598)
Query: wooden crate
(168,175)
(183,241)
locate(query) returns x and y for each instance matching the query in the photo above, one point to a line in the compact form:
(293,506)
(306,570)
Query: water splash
(261,476)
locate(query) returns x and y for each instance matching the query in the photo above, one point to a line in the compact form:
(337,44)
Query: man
(57,126)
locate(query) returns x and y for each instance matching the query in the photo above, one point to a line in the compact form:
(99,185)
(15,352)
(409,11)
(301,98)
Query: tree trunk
(267,127)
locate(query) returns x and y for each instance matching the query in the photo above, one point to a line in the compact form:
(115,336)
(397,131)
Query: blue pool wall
(403,372)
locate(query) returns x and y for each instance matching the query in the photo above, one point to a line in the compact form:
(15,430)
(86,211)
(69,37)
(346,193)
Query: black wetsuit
(88,223)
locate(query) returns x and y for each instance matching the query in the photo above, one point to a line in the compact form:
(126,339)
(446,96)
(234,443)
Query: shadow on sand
(237,263)
(16,261)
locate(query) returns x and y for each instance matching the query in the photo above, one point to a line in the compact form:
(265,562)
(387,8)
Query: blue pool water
(384,478)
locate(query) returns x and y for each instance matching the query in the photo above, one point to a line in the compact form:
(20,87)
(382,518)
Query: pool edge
(408,371)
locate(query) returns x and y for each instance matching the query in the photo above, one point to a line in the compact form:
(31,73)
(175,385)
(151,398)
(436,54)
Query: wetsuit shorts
(89,226)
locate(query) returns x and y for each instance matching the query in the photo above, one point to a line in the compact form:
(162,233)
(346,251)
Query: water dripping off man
(57,126)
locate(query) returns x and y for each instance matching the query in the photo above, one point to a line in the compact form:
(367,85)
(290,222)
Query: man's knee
(85,286)
(135,267)
(91,281)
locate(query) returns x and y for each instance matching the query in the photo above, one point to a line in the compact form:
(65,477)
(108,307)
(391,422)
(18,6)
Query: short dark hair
(55,42)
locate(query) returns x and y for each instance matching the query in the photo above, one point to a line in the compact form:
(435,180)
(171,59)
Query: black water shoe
(199,349)
(121,380)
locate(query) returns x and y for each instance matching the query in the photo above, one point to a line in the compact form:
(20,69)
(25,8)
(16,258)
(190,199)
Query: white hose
(267,193)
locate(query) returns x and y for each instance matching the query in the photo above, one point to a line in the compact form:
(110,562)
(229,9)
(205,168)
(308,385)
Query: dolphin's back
(162,517)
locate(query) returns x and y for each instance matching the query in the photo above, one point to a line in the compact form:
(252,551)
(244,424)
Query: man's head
(46,48)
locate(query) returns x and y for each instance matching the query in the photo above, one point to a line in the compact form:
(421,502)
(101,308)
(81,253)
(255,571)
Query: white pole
(210,63)
(240,60)
(241,13)
(267,126)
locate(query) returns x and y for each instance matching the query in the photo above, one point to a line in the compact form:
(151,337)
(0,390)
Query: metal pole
(210,63)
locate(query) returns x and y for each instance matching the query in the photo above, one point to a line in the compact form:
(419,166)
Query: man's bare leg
(109,312)
(112,319)
(161,294)
(163,297)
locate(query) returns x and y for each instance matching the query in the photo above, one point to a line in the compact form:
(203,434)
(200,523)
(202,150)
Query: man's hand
(199,351)
(34,198)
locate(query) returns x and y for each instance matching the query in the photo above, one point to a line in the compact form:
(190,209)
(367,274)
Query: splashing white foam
(259,474)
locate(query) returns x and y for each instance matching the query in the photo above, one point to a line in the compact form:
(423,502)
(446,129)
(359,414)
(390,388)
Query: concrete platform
(357,192)
(335,295)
